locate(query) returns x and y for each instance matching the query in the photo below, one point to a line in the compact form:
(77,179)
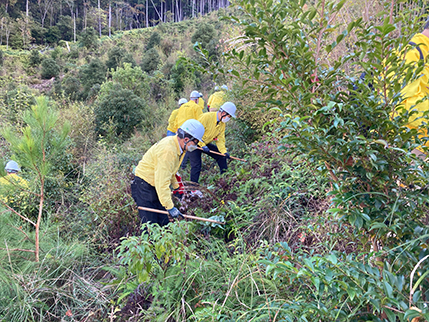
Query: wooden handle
(185,216)
(218,153)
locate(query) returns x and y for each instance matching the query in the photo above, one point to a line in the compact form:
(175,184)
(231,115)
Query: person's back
(187,111)
(12,186)
(216,100)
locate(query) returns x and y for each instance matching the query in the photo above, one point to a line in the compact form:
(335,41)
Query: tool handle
(185,216)
(218,153)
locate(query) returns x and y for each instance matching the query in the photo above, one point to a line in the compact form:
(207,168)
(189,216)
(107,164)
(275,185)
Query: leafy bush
(52,35)
(154,40)
(71,87)
(89,39)
(122,109)
(150,61)
(206,36)
(131,78)
(50,68)
(181,76)
(92,74)
(115,56)
(65,26)
(35,58)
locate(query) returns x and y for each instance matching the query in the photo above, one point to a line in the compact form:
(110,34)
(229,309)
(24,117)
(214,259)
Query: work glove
(175,213)
(206,149)
(227,155)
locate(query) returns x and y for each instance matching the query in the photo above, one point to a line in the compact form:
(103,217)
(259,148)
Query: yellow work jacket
(159,166)
(201,103)
(187,111)
(216,100)
(418,89)
(214,131)
(172,121)
(12,185)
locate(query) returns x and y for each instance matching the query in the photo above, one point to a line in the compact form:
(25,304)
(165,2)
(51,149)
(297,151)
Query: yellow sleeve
(197,112)
(172,121)
(220,143)
(163,175)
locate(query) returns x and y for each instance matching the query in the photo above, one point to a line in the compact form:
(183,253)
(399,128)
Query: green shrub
(50,68)
(150,61)
(131,78)
(35,58)
(122,109)
(206,36)
(181,76)
(89,39)
(115,57)
(65,26)
(92,74)
(71,87)
(52,35)
(38,33)
(154,40)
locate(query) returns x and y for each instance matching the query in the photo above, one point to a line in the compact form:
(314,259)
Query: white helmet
(216,88)
(229,107)
(224,87)
(12,166)
(194,128)
(194,95)
(183,101)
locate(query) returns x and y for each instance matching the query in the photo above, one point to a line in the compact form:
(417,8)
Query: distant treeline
(25,22)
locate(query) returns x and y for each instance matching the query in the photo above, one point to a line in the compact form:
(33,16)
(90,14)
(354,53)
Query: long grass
(66,281)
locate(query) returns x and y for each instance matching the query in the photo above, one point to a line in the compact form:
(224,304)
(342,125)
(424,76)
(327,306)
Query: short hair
(427,24)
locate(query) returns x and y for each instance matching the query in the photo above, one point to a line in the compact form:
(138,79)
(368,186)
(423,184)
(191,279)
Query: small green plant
(92,74)
(50,68)
(32,150)
(150,61)
(154,40)
(35,58)
(89,39)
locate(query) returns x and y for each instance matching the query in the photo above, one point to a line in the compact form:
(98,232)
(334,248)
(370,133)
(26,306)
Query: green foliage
(28,289)
(92,74)
(115,56)
(65,26)
(339,287)
(71,87)
(131,78)
(205,35)
(88,38)
(122,109)
(35,58)
(154,40)
(15,102)
(52,35)
(50,68)
(150,61)
(180,76)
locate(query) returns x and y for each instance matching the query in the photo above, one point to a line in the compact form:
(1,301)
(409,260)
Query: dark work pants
(185,160)
(145,196)
(195,158)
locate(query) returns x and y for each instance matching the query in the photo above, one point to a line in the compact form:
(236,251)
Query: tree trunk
(99,17)
(147,13)
(26,8)
(110,19)
(39,218)
(74,27)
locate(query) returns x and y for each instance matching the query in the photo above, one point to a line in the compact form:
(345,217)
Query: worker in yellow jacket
(213,139)
(201,102)
(156,172)
(171,129)
(12,185)
(418,89)
(189,110)
(217,98)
